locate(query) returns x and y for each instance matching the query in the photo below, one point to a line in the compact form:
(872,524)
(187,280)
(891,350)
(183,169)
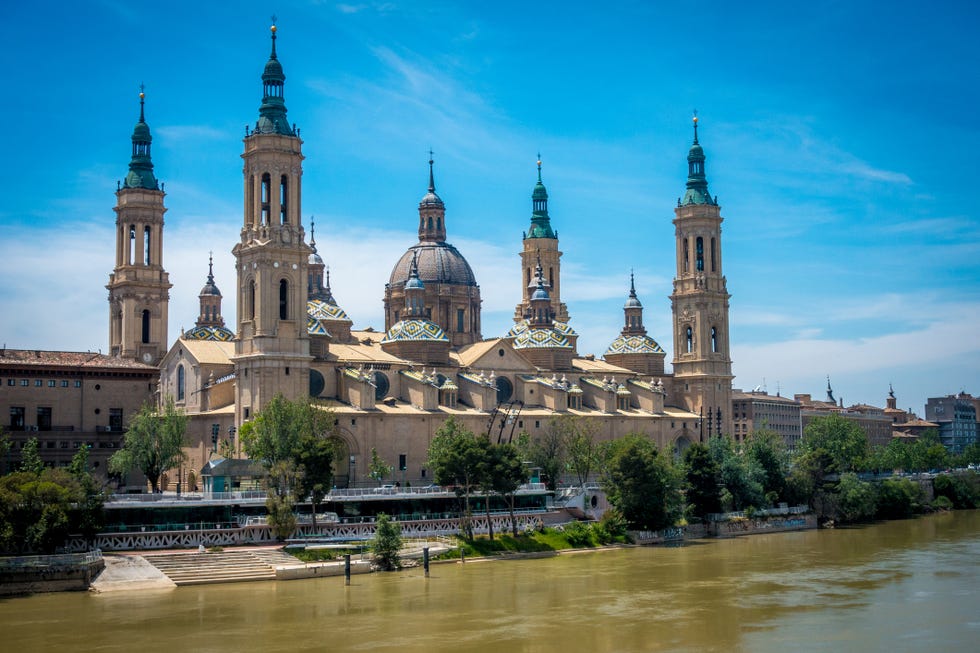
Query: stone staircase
(227,566)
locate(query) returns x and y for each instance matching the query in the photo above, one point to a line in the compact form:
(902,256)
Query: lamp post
(351,482)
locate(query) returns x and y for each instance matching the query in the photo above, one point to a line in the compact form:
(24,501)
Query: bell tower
(702,362)
(272,346)
(138,285)
(540,247)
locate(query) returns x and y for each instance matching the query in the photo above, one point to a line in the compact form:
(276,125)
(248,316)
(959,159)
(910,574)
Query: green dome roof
(140,173)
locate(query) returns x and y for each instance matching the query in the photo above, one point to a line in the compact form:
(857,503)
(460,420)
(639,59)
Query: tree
(30,458)
(378,469)
(88,517)
(5,446)
(509,473)
(739,475)
(386,544)
(837,442)
(548,452)
(582,449)
(153,444)
(642,484)
(856,498)
(767,453)
(292,441)
(457,459)
(702,476)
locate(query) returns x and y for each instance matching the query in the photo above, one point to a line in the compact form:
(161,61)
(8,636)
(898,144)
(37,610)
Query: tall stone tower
(702,362)
(272,347)
(540,244)
(138,285)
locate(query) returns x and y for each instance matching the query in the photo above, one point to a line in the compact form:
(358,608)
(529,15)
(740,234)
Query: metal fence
(57,560)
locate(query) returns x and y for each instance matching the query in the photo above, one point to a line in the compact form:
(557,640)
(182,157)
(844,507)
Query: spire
(633,313)
(210,288)
(540,222)
(414,291)
(210,300)
(326,288)
(432,212)
(140,165)
(540,300)
(697,183)
(272,113)
(830,392)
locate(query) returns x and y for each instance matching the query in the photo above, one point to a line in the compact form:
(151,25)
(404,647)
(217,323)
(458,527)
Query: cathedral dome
(437,263)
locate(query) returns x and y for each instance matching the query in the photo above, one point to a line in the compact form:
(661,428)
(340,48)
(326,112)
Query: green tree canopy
(641,483)
(153,444)
(702,478)
(386,544)
(839,444)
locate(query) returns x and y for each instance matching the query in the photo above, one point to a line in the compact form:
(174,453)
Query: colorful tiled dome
(219,333)
(634,345)
(415,330)
(541,339)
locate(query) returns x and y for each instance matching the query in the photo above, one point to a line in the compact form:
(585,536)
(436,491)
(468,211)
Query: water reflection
(902,585)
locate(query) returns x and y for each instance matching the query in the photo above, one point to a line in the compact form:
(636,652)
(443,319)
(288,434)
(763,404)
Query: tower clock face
(147,357)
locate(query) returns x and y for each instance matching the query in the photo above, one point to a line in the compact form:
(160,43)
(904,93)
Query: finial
(312,234)
(695,120)
(432,181)
(539,167)
(142,96)
(891,391)
(211,267)
(328,279)
(273,30)
(632,287)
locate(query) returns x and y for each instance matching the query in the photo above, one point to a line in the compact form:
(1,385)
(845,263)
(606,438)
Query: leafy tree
(457,459)
(378,469)
(291,439)
(316,456)
(856,498)
(153,444)
(549,451)
(969,456)
(839,444)
(766,452)
(386,544)
(509,473)
(5,446)
(898,498)
(740,476)
(584,453)
(88,517)
(641,483)
(30,458)
(702,476)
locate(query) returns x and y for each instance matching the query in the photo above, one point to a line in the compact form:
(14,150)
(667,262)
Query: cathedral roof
(635,344)
(416,330)
(318,309)
(219,333)
(541,339)
(437,263)
(560,327)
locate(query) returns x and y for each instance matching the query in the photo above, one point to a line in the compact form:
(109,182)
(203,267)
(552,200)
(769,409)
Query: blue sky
(841,140)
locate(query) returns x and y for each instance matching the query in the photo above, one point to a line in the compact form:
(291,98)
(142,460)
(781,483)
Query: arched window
(714,340)
(690,340)
(283,194)
(699,245)
(266,192)
(131,260)
(250,301)
(428,224)
(528,275)
(146,327)
(439,223)
(283,299)
(714,264)
(180,383)
(146,245)
(687,257)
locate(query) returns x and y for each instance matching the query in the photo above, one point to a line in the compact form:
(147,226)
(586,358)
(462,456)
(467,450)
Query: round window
(504,389)
(381,385)
(316,383)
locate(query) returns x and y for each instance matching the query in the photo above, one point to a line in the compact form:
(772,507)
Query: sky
(840,137)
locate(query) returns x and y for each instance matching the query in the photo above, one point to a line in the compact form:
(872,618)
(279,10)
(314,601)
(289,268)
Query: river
(898,586)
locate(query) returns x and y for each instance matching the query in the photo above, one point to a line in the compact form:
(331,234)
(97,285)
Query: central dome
(437,263)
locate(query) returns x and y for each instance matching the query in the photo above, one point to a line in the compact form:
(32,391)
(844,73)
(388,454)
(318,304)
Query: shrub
(942,503)
(898,498)
(578,534)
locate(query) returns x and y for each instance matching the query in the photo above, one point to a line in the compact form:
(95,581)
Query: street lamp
(351,482)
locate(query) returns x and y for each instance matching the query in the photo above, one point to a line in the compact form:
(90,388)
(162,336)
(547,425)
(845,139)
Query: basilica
(392,388)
